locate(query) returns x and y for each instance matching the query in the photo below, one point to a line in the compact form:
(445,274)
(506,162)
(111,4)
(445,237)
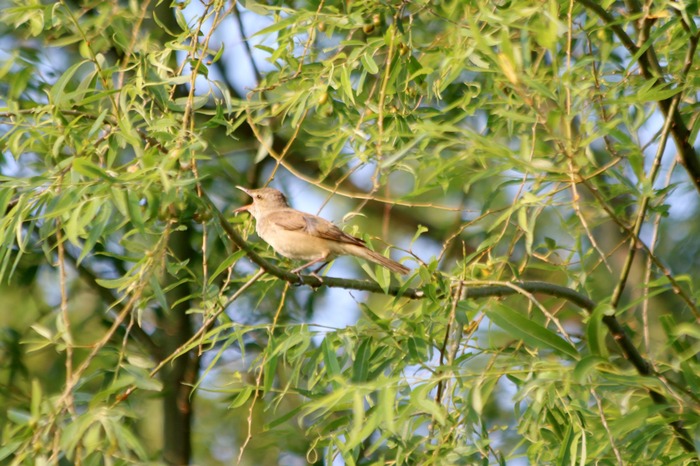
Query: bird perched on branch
(299,235)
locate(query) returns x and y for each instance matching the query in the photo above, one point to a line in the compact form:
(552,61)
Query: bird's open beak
(245,208)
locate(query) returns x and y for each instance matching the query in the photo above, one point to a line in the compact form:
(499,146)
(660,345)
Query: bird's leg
(308,264)
(323,259)
(315,272)
(321,267)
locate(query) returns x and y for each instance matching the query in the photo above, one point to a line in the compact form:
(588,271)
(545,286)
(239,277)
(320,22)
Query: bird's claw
(301,279)
(317,277)
(297,272)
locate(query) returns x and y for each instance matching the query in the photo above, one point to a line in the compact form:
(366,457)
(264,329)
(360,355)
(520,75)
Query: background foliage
(534,162)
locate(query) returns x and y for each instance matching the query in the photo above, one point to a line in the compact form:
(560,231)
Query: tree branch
(681,135)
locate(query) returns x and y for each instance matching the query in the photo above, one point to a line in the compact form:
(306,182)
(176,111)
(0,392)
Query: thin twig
(642,213)
(604,422)
(258,378)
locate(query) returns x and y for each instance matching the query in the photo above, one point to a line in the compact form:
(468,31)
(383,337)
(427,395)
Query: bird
(302,236)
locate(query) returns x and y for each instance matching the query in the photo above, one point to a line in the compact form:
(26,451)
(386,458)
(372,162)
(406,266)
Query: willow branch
(680,132)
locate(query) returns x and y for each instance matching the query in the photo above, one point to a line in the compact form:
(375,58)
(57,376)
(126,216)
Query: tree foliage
(534,162)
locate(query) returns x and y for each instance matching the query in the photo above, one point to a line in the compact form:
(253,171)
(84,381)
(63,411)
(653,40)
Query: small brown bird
(298,235)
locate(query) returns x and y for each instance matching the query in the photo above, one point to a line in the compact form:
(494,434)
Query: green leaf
(225,264)
(369,63)
(532,333)
(114,283)
(360,368)
(596,330)
(57,92)
(567,448)
(422,400)
(526,226)
(358,420)
(10,448)
(283,418)
(585,366)
(241,398)
(180,19)
(98,123)
(345,83)
(417,349)
(134,207)
(390,160)
(386,406)
(270,373)
(36,399)
(97,230)
(159,294)
(330,359)
(19,417)
(71,227)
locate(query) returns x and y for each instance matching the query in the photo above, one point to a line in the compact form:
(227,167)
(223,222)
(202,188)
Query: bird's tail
(366,253)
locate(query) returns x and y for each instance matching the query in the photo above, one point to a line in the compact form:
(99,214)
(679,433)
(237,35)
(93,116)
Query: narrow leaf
(530,332)
(360,368)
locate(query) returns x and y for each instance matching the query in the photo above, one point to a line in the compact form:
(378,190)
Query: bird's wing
(312,225)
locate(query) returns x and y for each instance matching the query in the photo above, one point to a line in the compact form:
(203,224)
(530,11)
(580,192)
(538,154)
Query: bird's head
(264,200)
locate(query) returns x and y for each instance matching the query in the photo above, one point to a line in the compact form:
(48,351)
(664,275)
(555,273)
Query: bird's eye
(258,196)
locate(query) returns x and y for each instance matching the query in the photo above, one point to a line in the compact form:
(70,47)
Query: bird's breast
(294,244)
